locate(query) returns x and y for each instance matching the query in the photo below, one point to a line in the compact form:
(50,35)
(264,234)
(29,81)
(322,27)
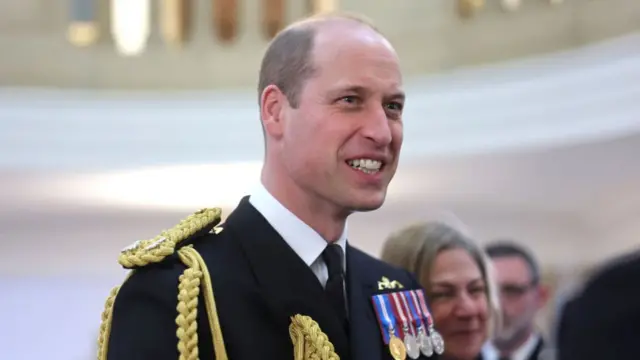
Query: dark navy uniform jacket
(259,283)
(602,321)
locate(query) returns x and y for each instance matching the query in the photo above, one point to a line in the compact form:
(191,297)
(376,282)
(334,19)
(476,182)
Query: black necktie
(333,258)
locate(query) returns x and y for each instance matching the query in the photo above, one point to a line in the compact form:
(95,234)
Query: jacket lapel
(366,338)
(535,354)
(286,283)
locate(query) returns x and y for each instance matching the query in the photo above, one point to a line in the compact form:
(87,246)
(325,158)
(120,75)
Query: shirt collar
(304,241)
(527,348)
(522,353)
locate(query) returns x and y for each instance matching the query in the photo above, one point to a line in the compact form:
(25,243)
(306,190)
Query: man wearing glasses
(521,296)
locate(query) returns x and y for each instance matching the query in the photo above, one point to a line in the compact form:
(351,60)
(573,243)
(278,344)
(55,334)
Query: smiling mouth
(367,166)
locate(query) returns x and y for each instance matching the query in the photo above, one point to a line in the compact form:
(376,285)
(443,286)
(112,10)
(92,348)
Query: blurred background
(119,118)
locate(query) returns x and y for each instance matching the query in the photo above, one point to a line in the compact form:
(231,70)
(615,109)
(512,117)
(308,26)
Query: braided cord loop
(309,342)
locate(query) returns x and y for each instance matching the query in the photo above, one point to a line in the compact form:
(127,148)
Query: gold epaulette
(144,252)
(195,275)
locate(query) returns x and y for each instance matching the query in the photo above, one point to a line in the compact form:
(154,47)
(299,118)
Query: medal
(436,338)
(424,341)
(426,347)
(410,341)
(386,317)
(411,344)
(396,348)
(437,341)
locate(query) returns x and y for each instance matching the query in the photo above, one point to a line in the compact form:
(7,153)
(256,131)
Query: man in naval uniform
(279,279)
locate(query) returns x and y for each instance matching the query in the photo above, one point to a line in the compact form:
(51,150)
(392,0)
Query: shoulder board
(145,252)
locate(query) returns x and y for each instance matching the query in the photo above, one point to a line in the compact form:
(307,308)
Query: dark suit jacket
(259,283)
(535,354)
(603,320)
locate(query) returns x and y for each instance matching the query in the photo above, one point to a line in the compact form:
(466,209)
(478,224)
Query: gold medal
(397,349)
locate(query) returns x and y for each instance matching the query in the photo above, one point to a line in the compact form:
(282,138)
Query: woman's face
(458,303)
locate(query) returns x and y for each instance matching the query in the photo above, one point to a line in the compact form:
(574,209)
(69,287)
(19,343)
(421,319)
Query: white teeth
(368,166)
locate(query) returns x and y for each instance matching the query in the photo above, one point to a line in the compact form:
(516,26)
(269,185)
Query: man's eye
(349,99)
(478,290)
(395,106)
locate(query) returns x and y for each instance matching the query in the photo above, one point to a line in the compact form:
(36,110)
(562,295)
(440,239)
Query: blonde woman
(456,277)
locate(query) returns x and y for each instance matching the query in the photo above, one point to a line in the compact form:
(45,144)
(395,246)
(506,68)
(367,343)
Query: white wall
(48,317)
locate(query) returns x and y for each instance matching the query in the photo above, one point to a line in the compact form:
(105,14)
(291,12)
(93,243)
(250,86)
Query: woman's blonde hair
(416,247)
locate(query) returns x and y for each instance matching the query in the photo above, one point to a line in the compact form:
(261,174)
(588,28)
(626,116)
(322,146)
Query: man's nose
(377,127)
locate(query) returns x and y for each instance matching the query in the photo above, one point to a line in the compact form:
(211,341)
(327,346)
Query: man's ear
(272,103)
(544,293)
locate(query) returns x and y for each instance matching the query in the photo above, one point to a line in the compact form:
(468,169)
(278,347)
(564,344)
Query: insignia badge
(385,283)
(131,247)
(146,245)
(217,230)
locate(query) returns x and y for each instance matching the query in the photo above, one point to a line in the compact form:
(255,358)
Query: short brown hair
(287,62)
(509,248)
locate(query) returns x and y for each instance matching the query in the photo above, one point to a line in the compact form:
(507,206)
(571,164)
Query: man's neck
(318,214)
(512,345)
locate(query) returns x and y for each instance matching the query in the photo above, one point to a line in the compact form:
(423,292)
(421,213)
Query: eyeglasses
(515,290)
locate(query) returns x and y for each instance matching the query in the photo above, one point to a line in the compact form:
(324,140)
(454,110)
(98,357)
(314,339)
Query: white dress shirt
(304,241)
(489,351)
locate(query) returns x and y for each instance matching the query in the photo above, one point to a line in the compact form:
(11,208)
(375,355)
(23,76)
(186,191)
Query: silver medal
(437,341)
(410,342)
(426,347)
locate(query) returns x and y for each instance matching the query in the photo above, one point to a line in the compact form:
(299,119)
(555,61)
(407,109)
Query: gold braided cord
(187,319)
(188,307)
(155,250)
(145,252)
(105,324)
(309,342)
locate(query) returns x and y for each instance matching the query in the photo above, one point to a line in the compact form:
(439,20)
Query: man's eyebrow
(349,88)
(397,96)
